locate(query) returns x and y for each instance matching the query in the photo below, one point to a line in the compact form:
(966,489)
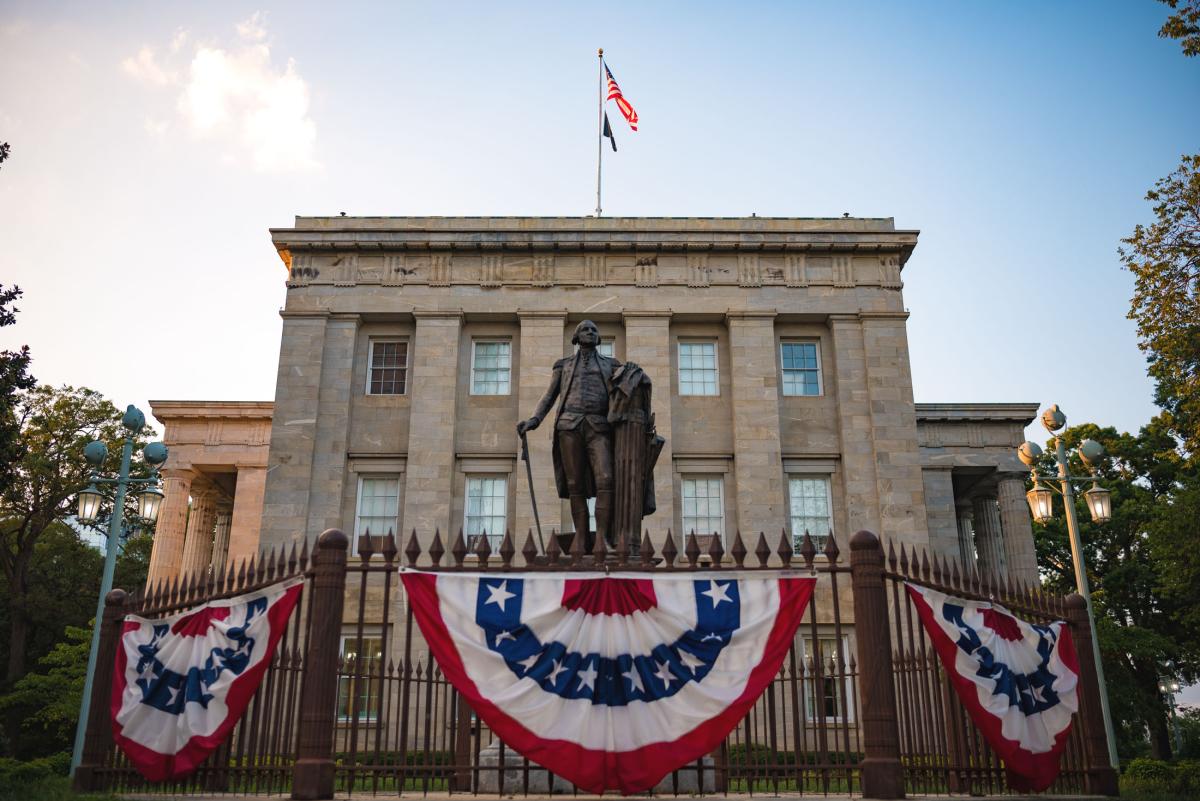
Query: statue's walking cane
(532,493)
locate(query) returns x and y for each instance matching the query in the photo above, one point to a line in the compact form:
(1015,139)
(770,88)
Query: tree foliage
(55,426)
(14,377)
(1164,258)
(1183,25)
(1140,571)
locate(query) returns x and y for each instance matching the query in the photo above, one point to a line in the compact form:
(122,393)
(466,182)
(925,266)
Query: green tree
(1183,25)
(46,701)
(55,426)
(1164,258)
(1142,626)
(14,377)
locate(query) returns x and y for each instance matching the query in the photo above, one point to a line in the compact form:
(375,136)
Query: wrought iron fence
(353,703)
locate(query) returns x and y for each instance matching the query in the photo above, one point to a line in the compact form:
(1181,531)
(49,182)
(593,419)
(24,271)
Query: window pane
(378,507)
(490,368)
(389,368)
(605,348)
(801,368)
(358,680)
(487,508)
(808,499)
(698,368)
(703,510)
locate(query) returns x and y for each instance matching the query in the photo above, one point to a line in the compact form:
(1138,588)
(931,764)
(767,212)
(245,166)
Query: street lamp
(1168,688)
(1099,503)
(149,499)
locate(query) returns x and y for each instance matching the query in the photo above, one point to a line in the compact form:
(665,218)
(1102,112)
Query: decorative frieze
(843,270)
(889,271)
(796,269)
(395,270)
(595,270)
(749,271)
(645,270)
(492,271)
(439,269)
(345,269)
(697,264)
(303,270)
(543,269)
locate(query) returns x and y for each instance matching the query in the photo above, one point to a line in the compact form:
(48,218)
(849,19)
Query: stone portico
(213,483)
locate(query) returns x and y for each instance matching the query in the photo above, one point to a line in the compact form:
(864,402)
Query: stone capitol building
(412,346)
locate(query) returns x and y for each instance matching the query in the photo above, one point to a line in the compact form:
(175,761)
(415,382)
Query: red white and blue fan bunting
(180,683)
(610,682)
(1016,679)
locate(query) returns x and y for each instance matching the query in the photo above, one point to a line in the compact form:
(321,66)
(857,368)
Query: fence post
(313,774)
(1101,777)
(98,736)
(880,771)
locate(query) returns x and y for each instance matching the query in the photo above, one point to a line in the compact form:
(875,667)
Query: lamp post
(1169,687)
(1099,501)
(90,501)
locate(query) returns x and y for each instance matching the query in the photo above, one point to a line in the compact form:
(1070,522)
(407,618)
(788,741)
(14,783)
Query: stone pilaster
(197,546)
(854,424)
(939,511)
(648,343)
(1019,552)
(247,510)
(429,475)
(338,382)
(758,459)
(166,556)
(220,548)
(541,347)
(293,428)
(989,543)
(894,428)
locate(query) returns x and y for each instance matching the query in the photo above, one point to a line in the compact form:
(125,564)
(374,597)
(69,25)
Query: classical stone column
(338,382)
(293,426)
(758,462)
(1019,551)
(989,542)
(220,548)
(541,347)
(648,343)
(247,513)
(429,477)
(966,535)
(197,546)
(900,487)
(939,511)
(854,424)
(166,555)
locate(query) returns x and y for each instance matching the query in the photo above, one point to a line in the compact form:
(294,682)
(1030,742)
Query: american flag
(614,93)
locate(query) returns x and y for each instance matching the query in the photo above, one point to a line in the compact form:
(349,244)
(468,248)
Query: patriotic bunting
(1017,680)
(181,683)
(611,682)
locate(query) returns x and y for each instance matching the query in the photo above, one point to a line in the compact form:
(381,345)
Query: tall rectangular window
(358,680)
(801,363)
(387,373)
(808,503)
(486,509)
(703,505)
(378,508)
(605,348)
(698,368)
(491,367)
(826,683)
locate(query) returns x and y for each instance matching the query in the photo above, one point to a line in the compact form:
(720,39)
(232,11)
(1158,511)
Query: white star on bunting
(529,662)
(587,678)
(635,679)
(499,594)
(557,669)
(717,592)
(690,661)
(664,673)
(505,635)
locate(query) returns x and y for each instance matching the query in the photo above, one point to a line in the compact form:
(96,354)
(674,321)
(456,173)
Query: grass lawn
(54,788)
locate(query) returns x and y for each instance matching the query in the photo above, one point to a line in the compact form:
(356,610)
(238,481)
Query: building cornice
(1022,413)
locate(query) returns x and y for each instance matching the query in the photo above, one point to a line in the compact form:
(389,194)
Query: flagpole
(600,130)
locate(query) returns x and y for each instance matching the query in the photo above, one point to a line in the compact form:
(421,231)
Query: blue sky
(154,144)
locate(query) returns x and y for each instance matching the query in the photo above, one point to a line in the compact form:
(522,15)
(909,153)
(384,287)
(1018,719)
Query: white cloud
(145,67)
(239,97)
(156,128)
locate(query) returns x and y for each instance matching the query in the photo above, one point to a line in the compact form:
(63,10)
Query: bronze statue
(583,384)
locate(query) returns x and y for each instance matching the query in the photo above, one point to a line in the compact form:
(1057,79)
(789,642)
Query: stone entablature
(985,434)
(594,252)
